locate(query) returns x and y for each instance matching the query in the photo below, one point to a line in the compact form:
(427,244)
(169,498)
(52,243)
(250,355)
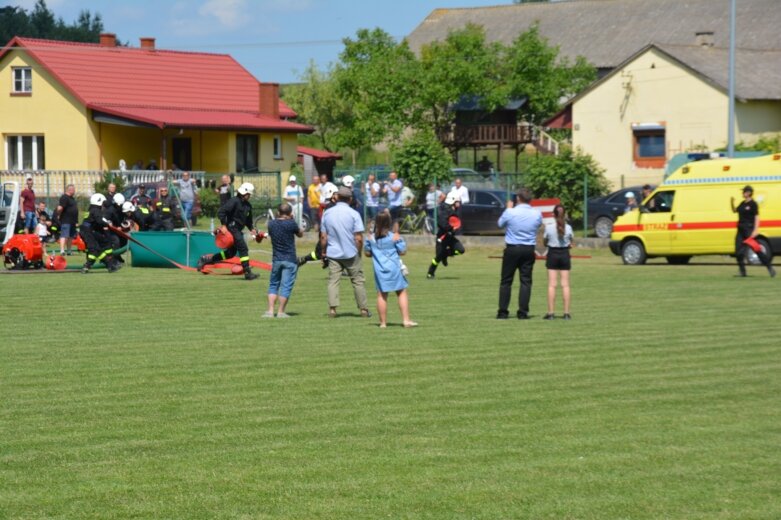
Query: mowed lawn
(156,393)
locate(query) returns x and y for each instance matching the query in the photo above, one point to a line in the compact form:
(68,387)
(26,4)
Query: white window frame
(277,147)
(26,79)
(20,152)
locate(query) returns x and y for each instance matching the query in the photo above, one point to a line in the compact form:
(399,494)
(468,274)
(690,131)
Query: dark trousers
(448,246)
(239,245)
(740,250)
(520,258)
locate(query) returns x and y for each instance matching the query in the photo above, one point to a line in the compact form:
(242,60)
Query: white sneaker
(404,269)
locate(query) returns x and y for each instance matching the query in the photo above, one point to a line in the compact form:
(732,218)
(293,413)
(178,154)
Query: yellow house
(77,106)
(668,99)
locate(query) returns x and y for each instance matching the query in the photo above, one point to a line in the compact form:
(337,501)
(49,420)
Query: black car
(480,216)
(603,211)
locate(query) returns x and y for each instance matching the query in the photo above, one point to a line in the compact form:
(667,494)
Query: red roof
(160,86)
(317,154)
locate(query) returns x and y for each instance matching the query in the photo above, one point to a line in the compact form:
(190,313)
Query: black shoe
(740,275)
(771,271)
(430,276)
(567,317)
(85,270)
(522,315)
(444,261)
(325,263)
(203,261)
(502,315)
(550,316)
(249,275)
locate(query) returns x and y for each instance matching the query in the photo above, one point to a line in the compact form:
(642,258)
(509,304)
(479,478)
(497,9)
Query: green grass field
(163,394)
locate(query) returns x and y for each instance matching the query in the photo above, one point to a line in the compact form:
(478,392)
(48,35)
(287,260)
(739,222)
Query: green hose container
(183,247)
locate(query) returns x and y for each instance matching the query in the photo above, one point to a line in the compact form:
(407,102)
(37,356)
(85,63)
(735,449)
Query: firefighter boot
(248,274)
(203,261)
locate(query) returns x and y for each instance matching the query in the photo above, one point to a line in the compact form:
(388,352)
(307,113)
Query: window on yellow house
(25,152)
(277,147)
(246,153)
(649,145)
(23,80)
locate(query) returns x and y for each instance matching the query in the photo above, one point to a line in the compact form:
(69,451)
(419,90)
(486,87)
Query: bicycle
(412,222)
(261,221)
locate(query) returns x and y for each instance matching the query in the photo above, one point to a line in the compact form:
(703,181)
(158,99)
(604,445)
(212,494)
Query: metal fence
(49,185)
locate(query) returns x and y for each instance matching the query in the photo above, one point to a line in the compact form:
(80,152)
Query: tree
(562,176)
(420,160)
(318,104)
(461,66)
(374,78)
(42,23)
(535,71)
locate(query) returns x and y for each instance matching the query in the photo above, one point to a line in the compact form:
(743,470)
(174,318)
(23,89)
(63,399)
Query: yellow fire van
(690,212)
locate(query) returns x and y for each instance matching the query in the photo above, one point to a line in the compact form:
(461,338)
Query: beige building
(668,99)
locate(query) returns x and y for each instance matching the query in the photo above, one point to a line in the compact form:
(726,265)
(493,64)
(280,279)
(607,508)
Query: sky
(274,39)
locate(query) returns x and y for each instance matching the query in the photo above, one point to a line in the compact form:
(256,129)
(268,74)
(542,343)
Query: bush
(210,202)
(562,176)
(101,186)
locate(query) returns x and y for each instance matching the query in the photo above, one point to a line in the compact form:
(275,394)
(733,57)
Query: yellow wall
(75,142)
(653,89)
(50,111)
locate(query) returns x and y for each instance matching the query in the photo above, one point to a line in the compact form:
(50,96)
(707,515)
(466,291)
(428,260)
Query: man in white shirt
(392,190)
(294,196)
(372,197)
(461,191)
(325,186)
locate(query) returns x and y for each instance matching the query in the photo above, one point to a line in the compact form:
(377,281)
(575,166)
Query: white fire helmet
(128,207)
(97,199)
(348,180)
(330,191)
(246,188)
(451,199)
(119,199)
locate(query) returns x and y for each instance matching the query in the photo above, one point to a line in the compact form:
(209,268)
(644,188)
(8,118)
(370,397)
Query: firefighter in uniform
(134,215)
(165,208)
(143,204)
(94,231)
(447,243)
(234,216)
(113,213)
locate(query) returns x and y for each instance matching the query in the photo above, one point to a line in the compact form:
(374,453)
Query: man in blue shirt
(341,240)
(520,223)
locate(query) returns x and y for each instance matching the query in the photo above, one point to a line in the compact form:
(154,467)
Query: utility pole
(731,94)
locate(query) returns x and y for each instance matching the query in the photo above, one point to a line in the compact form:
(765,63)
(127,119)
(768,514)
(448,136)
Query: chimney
(704,38)
(147,43)
(108,40)
(269,99)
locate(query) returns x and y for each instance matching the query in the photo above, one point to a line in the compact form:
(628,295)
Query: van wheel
(633,252)
(678,260)
(603,226)
(752,258)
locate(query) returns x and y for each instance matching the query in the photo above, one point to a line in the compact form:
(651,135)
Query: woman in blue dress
(385,249)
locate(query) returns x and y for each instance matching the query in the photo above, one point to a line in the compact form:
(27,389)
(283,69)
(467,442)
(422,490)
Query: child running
(384,249)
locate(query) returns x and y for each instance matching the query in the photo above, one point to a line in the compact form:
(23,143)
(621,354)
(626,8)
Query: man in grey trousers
(341,240)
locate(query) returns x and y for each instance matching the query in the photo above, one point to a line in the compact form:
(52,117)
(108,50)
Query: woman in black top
(748,227)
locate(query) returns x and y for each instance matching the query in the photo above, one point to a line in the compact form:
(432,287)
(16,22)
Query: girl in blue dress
(385,249)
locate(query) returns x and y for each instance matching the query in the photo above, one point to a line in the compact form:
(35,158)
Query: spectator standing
(558,237)
(341,240)
(326,186)
(385,249)
(187,189)
(294,196)
(372,197)
(392,190)
(313,196)
(65,219)
(748,227)
(141,199)
(283,232)
(433,198)
(631,201)
(43,219)
(27,206)
(225,190)
(521,223)
(484,165)
(461,191)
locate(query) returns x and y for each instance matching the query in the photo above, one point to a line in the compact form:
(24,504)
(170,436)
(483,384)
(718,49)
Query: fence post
(585,205)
